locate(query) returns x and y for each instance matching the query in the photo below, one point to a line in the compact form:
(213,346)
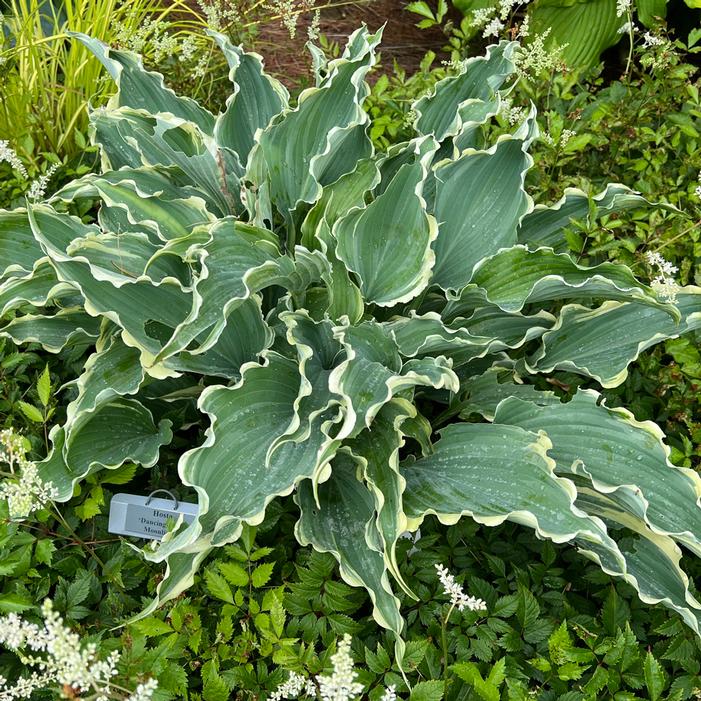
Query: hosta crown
(317,310)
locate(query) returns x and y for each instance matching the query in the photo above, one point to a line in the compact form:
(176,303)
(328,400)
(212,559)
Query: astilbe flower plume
(55,656)
(27,491)
(458,597)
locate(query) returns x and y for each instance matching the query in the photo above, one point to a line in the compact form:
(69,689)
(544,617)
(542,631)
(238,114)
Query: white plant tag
(147,516)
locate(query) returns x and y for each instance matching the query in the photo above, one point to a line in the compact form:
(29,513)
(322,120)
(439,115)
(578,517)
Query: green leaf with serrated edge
(139,200)
(517,276)
(654,677)
(544,225)
(31,412)
(326,131)
(340,524)
(470,228)
(496,473)
(142,89)
(622,457)
(135,138)
(19,250)
(218,587)
(119,431)
(246,419)
(373,373)
(377,450)
(478,78)
(66,328)
(44,387)
(394,225)
(485,391)
(39,288)
(256,99)
(602,342)
(651,561)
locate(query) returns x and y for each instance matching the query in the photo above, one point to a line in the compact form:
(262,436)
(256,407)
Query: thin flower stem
(77,538)
(444,641)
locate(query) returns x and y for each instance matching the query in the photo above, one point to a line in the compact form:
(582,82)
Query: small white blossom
(340,685)
(513,115)
(664,285)
(493,28)
(524,30)
(651,40)
(290,689)
(457,596)
(535,58)
(10,156)
(144,692)
(37,189)
(313,29)
(481,16)
(390,694)
(622,7)
(627,28)
(27,492)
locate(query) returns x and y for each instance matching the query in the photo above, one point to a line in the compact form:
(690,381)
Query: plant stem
(77,538)
(444,641)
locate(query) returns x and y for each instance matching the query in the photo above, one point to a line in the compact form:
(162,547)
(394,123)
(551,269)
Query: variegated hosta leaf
(256,99)
(470,228)
(373,372)
(115,432)
(377,449)
(544,226)
(135,138)
(495,473)
(652,560)
(19,250)
(68,327)
(141,200)
(38,288)
(478,78)
(517,276)
(487,330)
(343,523)
(394,226)
(322,138)
(602,342)
(141,89)
(624,459)
(230,472)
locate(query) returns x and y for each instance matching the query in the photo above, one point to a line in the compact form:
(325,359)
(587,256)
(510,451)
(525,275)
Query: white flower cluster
(627,28)
(562,140)
(664,283)
(390,694)
(492,20)
(10,156)
(37,189)
(652,40)
(535,58)
(458,597)
(28,492)
(340,685)
(698,187)
(622,7)
(152,37)
(63,661)
(513,115)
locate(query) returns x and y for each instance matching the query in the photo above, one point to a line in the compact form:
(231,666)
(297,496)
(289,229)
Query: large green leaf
(602,342)
(141,89)
(256,99)
(624,459)
(470,228)
(342,523)
(393,226)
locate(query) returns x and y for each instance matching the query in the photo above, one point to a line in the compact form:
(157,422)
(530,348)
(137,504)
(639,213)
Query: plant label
(147,516)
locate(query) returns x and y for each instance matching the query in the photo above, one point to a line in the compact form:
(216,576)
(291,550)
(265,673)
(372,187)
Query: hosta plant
(352,327)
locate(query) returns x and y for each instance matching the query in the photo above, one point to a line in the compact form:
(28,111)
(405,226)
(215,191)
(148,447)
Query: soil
(402,40)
